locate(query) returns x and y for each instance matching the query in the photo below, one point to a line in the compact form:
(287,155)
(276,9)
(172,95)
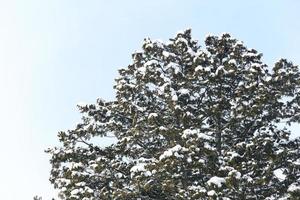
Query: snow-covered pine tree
(190,123)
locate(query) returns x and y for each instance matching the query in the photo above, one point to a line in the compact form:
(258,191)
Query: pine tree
(190,123)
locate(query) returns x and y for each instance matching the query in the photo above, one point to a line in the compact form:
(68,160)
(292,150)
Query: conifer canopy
(189,123)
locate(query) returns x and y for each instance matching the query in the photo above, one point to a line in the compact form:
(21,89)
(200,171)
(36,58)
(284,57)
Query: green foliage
(190,123)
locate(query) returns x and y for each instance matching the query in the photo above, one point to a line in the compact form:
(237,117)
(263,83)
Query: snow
(108,113)
(188,133)
(69,151)
(174,66)
(220,68)
(197,188)
(172,151)
(230,71)
(209,147)
(147,173)
(204,136)
(119,175)
(253,70)
(166,54)
(161,89)
(297,162)
(151,87)
(211,193)
(142,70)
(183,91)
(235,174)
(232,61)
(183,40)
(239,43)
(279,151)
(217,181)
(152,115)
(166,154)
(278,173)
(162,128)
(76,165)
(249,54)
(207,69)
(194,129)
(89,190)
(241,83)
(80,184)
(174,97)
(75,191)
(191,52)
(139,167)
(64,181)
(158,43)
(293,188)
(199,68)
(224,59)
(233,154)
(151,63)
(248,178)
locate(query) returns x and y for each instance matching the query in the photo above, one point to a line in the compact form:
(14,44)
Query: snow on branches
(190,122)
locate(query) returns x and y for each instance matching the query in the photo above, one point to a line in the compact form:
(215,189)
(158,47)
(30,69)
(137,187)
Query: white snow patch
(182,40)
(80,184)
(297,162)
(220,68)
(75,191)
(174,66)
(199,68)
(165,54)
(235,173)
(142,70)
(188,132)
(183,91)
(152,115)
(211,193)
(233,154)
(139,167)
(151,62)
(197,188)
(147,173)
(232,61)
(293,188)
(207,69)
(217,181)
(172,151)
(174,97)
(278,173)
(248,178)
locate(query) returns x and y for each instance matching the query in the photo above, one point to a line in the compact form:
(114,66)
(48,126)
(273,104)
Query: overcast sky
(56,53)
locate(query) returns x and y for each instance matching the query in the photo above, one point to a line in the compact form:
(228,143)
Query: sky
(54,54)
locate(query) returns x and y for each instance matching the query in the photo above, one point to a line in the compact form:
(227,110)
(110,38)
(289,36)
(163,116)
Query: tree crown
(189,123)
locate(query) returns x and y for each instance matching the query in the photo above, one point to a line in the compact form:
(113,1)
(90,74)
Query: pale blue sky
(56,53)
